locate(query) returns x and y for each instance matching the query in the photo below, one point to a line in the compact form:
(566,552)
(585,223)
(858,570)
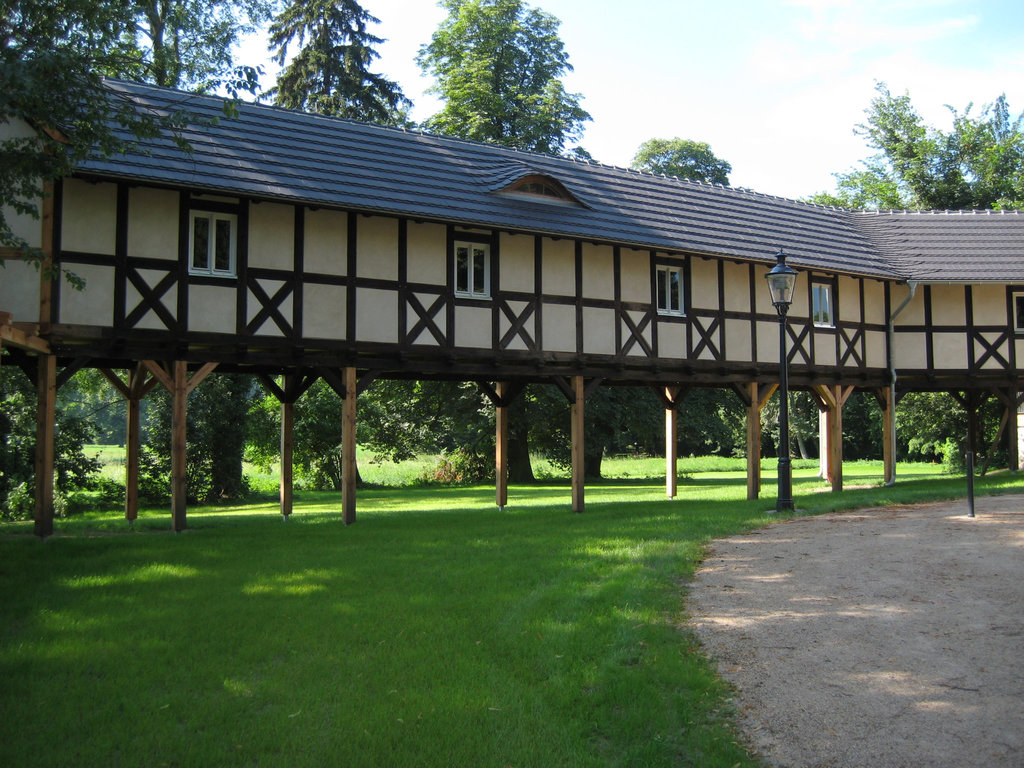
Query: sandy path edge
(881,637)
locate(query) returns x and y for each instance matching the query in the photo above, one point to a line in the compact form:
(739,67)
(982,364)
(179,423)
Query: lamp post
(781,282)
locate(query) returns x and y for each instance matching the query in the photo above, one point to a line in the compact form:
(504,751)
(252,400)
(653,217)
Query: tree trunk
(520,470)
(592,464)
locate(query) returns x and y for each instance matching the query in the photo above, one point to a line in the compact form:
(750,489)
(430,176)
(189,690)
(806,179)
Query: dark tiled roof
(274,153)
(956,246)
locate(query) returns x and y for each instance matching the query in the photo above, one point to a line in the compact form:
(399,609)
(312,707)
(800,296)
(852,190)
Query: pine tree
(330,73)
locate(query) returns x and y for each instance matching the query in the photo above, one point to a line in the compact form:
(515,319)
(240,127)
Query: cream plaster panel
(636,275)
(325,244)
(1019,342)
(672,341)
(767,341)
(377,247)
(269,326)
(517,272)
(211,308)
(23,225)
(913,313)
(849,299)
(704,283)
(559,328)
(19,290)
(737,288)
(151,320)
(989,303)
(89,217)
(992,337)
(737,340)
(874,301)
(377,315)
(763,299)
(272,236)
(598,331)
(94,305)
(559,267)
(153,223)
(323,311)
(874,349)
(473,327)
(598,272)
(427,254)
(948,305)
(910,351)
(439,318)
(647,335)
(824,348)
(950,351)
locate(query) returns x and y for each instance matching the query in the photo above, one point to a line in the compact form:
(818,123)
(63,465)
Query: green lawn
(437,631)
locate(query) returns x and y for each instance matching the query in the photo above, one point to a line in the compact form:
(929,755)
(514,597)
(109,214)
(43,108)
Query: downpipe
(912,284)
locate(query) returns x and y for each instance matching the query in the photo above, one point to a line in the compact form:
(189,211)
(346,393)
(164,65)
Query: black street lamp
(781,282)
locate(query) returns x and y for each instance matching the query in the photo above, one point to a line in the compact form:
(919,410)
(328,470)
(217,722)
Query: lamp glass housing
(781,282)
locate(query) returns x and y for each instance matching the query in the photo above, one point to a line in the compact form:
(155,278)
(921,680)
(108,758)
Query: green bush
(460,466)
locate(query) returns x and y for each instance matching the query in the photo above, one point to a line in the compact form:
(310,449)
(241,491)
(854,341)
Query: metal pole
(970,483)
(785,502)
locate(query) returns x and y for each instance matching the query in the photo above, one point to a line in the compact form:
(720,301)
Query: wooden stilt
(1013,436)
(179,395)
(140,381)
(888,434)
(348,447)
(287,452)
(830,400)
(501,447)
(671,445)
(176,380)
(753,441)
(578,400)
(46,389)
(754,397)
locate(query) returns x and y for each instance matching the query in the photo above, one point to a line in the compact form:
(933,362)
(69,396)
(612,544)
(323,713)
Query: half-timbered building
(297,246)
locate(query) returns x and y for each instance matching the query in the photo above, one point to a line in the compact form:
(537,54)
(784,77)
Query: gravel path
(883,637)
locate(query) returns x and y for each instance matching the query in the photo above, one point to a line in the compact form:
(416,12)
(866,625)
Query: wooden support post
(140,381)
(176,381)
(1013,440)
(830,400)
(287,453)
(179,415)
(348,447)
(671,443)
(501,447)
(578,400)
(46,389)
(888,434)
(753,441)
(131,461)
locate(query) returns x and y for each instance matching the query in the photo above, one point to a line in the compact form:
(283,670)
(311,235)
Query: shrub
(460,466)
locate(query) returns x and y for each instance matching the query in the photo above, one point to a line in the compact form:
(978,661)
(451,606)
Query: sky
(775,87)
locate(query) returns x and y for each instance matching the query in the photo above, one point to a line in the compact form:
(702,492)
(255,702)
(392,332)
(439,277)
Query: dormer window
(541,189)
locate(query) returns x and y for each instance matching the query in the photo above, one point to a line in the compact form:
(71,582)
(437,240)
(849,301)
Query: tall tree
(497,65)
(684,158)
(330,74)
(978,163)
(53,57)
(189,43)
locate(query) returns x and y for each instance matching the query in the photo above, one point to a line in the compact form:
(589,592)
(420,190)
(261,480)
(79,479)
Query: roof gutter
(912,284)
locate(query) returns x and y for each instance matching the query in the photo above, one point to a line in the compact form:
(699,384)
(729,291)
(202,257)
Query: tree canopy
(53,57)
(684,158)
(978,163)
(497,65)
(330,73)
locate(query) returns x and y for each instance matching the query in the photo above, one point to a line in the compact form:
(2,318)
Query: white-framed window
(669,288)
(472,269)
(1018,312)
(821,305)
(212,243)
